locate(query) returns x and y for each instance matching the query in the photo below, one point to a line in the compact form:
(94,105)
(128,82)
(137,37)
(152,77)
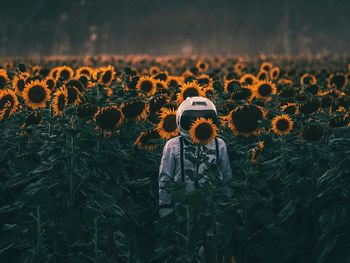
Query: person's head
(190,110)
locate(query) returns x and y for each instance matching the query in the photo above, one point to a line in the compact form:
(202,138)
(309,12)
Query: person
(174,162)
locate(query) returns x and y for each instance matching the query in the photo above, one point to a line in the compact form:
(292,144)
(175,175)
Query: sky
(182,27)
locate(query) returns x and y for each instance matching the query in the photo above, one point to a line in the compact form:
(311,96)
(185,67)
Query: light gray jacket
(170,167)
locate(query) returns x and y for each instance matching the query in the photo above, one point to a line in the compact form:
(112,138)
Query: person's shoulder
(221,141)
(173,141)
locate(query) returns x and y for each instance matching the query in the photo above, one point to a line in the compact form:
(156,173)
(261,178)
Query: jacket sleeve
(225,166)
(166,175)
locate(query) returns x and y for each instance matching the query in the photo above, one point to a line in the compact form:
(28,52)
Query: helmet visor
(189,116)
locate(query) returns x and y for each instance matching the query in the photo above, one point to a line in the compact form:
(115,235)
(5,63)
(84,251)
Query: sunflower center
(203,131)
(72,94)
(37,94)
(170,123)
(282,125)
(265,90)
(64,74)
(20,84)
(190,92)
(2,81)
(146,86)
(61,102)
(108,119)
(107,76)
(133,109)
(6,101)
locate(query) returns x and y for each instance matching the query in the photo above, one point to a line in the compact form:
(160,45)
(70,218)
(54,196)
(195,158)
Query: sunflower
(290,108)
(87,110)
(174,81)
(108,118)
(245,120)
(255,153)
(19,82)
(337,80)
(64,73)
(36,70)
(232,85)
(190,89)
(285,81)
(167,126)
(74,95)
(8,103)
(50,82)
(135,109)
(84,71)
(3,78)
(244,93)
(147,85)
(264,89)
(145,140)
(248,79)
(157,102)
(310,106)
(281,124)
(202,66)
(205,81)
(59,102)
(266,66)
(105,75)
(308,79)
(275,73)
(263,75)
(36,94)
(163,76)
(203,131)
(154,70)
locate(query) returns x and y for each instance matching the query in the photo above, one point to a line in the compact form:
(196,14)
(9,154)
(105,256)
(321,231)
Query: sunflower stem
(96,239)
(38,227)
(71,172)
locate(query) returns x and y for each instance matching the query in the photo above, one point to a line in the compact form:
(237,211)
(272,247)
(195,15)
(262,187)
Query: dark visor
(189,116)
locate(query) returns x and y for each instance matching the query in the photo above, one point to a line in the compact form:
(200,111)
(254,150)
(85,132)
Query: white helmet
(191,109)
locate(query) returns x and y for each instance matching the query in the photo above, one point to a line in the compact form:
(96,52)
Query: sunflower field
(81,140)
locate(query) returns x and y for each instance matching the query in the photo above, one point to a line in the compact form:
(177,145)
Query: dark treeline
(45,27)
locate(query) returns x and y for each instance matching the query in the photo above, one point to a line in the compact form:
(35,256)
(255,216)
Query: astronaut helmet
(192,109)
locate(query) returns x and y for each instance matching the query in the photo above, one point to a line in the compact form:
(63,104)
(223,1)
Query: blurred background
(182,27)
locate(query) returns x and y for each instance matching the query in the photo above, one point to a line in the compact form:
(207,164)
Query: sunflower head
(59,102)
(36,94)
(19,82)
(232,85)
(282,124)
(105,75)
(8,103)
(290,108)
(135,109)
(167,126)
(146,140)
(203,131)
(3,78)
(248,79)
(275,73)
(84,71)
(108,118)
(147,85)
(64,73)
(245,120)
(337,80)
(190,89)
(264,89)
(266,66)
(308,79)
(202,66)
